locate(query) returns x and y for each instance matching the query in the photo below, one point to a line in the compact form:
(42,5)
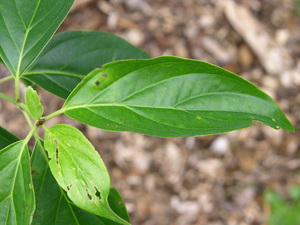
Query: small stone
(220,145)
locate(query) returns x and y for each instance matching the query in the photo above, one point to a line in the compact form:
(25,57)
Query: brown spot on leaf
(33,172)
(120,203)
(104,76)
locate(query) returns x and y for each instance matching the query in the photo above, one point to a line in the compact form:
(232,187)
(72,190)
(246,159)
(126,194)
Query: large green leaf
(53,206)
(16,190)
(79,170)
(170,97)
(26,27)
(6,138)
(71,55)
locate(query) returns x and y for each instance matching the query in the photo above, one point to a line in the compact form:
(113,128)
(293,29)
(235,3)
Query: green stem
(39,142)
(7,98)
(28,119)
(17,88)
(3,80)
(21,105)
(56,113)
(30,134)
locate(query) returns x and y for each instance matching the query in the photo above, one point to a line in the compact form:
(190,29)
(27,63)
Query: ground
(211,180)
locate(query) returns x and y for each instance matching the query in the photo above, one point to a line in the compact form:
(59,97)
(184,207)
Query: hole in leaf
(69,187)
(98,194)
(97,83)
(104,76)
(120,203)
(56,155)
(88,194)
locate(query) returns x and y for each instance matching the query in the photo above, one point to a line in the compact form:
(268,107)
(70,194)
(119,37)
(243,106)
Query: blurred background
(213,180)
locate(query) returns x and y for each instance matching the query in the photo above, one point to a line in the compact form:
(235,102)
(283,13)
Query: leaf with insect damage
(79,170)
(53,207)
(170,97)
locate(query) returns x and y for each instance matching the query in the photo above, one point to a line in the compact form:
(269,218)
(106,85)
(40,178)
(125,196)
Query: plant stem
(3,80)
(21,105)
(56,113)
(27,117)
(30,134)
(7,98)
(39,142)
(17,88)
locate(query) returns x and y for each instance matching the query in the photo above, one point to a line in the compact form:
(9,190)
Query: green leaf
(26,27)
(16,190)
(282,212)
(71,55)
(170,97)
(79,170)
(117,204)
(53,206)
(33,103)
(6,138)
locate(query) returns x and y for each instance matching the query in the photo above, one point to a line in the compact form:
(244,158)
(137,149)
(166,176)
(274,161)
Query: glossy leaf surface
(117,204)
(6,138)
(33,103)
(71,55)
(26,27)
(16,190)
(53,206)
(79,170)
(170,97)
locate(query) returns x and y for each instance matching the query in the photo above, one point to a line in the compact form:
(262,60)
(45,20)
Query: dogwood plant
(109,84)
